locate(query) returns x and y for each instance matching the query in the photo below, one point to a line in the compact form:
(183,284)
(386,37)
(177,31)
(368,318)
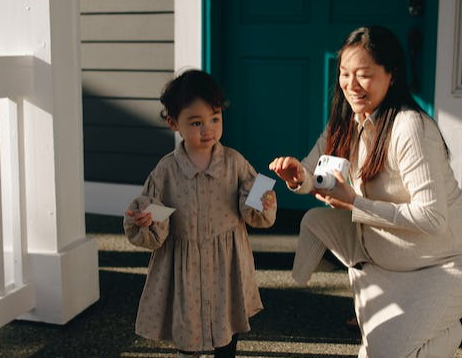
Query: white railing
(16,290)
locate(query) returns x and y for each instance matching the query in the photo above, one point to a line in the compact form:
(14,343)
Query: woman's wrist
(294,184)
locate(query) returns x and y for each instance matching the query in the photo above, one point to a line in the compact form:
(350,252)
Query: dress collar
(190,170)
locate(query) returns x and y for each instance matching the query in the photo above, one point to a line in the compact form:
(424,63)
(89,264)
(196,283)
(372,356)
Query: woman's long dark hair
(384,47)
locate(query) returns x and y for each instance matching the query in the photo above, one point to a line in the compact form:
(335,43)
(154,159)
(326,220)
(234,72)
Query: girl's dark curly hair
(187,87)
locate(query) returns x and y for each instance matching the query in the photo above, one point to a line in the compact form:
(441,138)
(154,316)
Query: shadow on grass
(263,260)
(106,329)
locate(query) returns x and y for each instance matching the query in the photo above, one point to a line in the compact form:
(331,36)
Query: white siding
(127,56)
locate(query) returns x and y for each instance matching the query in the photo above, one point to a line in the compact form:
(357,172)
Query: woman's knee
(325,219)
(313,217)
(442,346)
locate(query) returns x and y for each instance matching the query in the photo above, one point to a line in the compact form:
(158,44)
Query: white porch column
(63,261)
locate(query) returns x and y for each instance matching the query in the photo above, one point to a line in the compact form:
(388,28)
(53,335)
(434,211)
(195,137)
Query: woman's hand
(342,196)
(288,169)
(268,199)
(140,219)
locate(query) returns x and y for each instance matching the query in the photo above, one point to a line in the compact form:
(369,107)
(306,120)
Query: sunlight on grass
(132,270)
(327,283)
(267,349)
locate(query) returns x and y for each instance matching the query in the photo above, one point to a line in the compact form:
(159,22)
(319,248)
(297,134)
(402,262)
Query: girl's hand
(140,219)
(268,199)
(342,196)
(288,169)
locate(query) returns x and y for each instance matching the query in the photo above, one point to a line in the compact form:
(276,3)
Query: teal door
(276,62)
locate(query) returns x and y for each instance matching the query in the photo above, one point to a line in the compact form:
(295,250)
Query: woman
(396,223)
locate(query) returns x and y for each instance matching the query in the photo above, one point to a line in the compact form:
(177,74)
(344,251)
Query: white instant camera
(323,177)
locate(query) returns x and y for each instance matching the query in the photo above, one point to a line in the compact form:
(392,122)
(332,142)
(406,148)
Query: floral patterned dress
(200,288)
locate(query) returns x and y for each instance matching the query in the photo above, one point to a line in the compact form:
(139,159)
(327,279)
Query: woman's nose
(353,82)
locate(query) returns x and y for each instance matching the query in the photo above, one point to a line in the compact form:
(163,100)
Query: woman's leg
(409,314)
(228,351)
(321,229)
(443,345)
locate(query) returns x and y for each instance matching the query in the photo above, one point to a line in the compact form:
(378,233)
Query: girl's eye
(195,124)
(216,120)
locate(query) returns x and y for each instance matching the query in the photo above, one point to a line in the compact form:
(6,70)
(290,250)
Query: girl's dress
(200,288)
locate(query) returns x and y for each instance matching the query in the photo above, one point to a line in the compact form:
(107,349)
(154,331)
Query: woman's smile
(357,98)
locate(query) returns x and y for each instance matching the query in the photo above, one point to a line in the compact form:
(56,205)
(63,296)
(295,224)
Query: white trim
(188,34)
(108,198)
(19,300)
(76,270)
(188,38)
(457,61)
(16,73)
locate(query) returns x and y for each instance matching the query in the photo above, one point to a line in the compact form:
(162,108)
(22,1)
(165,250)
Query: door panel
(271,11)
(276,61)
(358,11)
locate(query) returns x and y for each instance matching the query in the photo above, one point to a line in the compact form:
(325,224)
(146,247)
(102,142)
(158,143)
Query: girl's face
(364,83)
(200,125)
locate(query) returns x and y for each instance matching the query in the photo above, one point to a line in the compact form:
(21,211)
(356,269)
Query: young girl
(200,289)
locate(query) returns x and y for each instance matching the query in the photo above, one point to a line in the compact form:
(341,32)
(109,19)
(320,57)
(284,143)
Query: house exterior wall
(110,198)
(127,55)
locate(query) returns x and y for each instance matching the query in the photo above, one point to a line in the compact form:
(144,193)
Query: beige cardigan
(410,215)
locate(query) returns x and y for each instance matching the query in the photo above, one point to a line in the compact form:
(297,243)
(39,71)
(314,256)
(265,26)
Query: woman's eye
(195,124)
(216,120)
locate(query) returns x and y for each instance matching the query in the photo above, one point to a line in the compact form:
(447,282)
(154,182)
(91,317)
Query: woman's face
(364,83)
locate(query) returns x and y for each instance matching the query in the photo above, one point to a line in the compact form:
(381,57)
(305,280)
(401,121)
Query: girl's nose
(206,127)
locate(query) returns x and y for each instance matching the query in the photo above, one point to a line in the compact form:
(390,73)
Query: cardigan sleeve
(309,164)
(418,148)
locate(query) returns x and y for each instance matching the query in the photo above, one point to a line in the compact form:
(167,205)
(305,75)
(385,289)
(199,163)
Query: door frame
(188,34)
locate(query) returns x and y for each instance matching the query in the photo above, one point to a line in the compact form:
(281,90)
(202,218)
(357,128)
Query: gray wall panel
(131,56)
(124,112)
(89,6)
(127,27)
(125,84)
(127,57)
